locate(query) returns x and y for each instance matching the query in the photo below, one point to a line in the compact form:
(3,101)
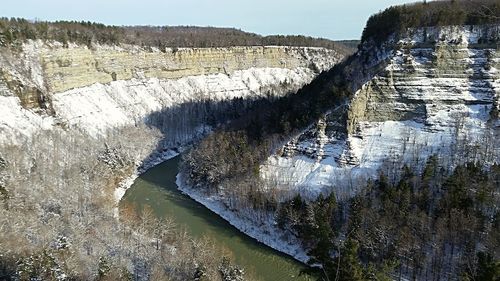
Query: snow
(17,123)
(343,165)
(379,142)
(99,108)
(453,34)
(401,141)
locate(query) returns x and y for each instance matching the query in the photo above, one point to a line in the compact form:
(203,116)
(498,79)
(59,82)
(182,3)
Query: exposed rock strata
(434,91)
(107,87)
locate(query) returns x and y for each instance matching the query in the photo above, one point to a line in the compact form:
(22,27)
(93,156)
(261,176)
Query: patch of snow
(32,59)
(448,113)
(465,34)
(17,124)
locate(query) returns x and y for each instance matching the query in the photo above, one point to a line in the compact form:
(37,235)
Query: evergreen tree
(348,263)
(488,269)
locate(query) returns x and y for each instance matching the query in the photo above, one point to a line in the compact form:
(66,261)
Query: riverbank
(157,190)
(249,222)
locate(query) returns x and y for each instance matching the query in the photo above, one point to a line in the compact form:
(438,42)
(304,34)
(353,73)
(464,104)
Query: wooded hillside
(436,13)
(17,30)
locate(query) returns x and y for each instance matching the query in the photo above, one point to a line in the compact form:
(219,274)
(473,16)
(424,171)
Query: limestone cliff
(430,91)
(75,67)
(101,88)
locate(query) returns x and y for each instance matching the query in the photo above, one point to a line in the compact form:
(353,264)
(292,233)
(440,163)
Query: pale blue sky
(334,19)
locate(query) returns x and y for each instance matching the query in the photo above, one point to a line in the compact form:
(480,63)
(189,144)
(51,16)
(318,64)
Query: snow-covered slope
(434,91)
(100,107)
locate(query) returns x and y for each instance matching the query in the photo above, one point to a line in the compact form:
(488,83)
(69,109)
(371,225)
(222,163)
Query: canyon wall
(432,91)
(75,67)
(100,88)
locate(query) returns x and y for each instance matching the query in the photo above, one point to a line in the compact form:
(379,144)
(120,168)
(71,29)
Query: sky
(333,19)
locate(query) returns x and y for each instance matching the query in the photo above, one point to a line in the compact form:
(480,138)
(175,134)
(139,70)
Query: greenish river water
(157,189)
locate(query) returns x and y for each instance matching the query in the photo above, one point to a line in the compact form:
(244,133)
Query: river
(157,189)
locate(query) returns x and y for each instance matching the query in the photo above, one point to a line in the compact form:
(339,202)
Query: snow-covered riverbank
(260,226)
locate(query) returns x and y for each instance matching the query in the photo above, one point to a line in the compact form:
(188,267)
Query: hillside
(379,165)
(397,19)
(16,30)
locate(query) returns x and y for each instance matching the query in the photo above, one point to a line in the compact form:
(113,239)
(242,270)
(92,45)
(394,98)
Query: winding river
(157,189)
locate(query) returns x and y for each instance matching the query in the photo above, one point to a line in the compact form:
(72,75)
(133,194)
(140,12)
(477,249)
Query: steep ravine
(434,91)
(107,87)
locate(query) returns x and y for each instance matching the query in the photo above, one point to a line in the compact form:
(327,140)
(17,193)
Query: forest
(430,226)
(58,222)
(397,19)
(16,30)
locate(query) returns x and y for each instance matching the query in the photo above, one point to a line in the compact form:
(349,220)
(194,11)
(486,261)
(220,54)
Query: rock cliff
(101,88)
(431,91)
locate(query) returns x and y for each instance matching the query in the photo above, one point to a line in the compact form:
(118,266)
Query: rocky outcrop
(431,66)
(431,91)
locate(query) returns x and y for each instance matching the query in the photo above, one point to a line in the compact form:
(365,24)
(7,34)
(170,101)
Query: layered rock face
(434,91)
(76,67)
(98,89)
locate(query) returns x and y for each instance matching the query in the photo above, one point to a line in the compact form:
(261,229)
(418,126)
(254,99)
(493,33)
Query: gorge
(109,112)
(376,165)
